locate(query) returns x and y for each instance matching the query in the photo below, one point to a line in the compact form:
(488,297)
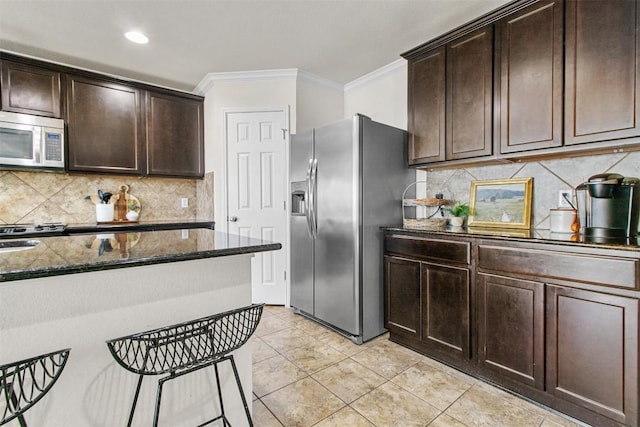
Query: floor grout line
(315,335)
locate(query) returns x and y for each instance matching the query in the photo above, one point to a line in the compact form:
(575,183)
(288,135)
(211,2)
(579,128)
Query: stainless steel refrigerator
(347,180)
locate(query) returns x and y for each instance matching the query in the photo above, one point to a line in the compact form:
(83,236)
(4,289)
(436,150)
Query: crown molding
(288,73)
(294,73)
(330,84)
(211,78)
(376,74)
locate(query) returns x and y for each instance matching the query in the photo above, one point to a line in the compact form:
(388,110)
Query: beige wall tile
(37,197)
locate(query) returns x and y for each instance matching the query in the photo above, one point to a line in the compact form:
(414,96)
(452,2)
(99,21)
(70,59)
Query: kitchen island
(80,290)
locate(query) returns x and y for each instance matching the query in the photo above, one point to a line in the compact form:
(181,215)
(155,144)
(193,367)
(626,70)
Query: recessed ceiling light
(137,37)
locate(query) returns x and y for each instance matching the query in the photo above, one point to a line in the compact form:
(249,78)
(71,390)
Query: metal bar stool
(187,347)
(25,382)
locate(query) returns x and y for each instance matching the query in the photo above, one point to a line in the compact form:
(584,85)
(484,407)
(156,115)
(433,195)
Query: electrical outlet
(184,202)
(562,202)
(185,234)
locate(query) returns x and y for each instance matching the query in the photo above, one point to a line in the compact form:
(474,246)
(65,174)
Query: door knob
(232,218)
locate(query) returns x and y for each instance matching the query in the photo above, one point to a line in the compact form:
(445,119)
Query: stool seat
(25,382)
(187,347)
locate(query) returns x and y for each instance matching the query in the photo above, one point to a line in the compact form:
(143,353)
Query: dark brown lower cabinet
(555,323)
(446,310)
(428,307)
(592,352)
(402,286)
(511,328)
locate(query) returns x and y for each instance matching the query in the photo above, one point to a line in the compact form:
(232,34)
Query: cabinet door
(531,78)
(446,310)
(601,79)
(402,289)
(426,96)
(470,95)
(30,89)
(105,127)
(175,136)
(511,328)
(592,351)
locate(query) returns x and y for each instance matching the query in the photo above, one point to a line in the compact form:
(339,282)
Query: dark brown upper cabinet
(470,95)
(451,100)
(426,114)
(175,140)
(105,128)
(30,89)
(530,57)
(565,81)
(602,68)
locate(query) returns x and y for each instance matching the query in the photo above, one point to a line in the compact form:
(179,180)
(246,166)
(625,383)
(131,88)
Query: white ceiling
(339,40)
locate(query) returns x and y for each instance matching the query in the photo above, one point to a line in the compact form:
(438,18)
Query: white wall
(319,102)
(312,101)
(234,93)
(381,95)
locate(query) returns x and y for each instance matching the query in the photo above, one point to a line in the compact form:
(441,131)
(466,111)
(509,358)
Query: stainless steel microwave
(31,141)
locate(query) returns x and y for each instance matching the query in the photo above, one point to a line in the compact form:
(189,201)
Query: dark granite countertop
(537,236)
(142,225)
(83,252)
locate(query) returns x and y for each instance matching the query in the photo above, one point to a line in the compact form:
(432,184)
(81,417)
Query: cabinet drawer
(601,270)
(426,248)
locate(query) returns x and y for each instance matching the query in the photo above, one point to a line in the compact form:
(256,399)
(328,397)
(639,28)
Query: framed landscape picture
(504,203)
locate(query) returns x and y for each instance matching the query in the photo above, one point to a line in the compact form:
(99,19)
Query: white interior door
(256,188)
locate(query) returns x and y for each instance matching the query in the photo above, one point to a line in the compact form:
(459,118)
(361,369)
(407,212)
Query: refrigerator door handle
(312,202)
(308,199)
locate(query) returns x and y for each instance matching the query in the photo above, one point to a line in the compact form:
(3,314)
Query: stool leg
(224,417)
(14,400)
(135,400)
(244,400)
(156,414)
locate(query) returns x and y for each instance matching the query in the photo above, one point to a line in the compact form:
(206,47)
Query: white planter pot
(456,221)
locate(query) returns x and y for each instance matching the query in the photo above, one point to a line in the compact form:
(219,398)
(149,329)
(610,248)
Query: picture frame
(504,203)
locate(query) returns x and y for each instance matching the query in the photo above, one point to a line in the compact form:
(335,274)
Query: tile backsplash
(37,197)
(549,176)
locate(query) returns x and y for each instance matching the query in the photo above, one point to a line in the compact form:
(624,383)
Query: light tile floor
(307,375)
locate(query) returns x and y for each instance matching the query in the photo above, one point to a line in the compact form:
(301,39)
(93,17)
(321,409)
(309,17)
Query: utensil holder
(104,212)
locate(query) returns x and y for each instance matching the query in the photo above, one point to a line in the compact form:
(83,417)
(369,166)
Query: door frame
(224,200)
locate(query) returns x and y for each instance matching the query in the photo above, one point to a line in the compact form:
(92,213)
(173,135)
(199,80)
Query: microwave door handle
(37,145)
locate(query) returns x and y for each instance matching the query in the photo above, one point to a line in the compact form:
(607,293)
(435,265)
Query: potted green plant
(459,212)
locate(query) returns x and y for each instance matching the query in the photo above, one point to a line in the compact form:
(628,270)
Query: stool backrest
(187,344)
(25,382)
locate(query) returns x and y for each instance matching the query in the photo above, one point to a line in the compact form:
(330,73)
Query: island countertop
(77,253)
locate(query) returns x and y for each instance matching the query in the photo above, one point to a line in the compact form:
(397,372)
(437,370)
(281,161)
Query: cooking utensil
(564,196)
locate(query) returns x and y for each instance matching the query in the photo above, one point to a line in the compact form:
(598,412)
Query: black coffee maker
(608,206)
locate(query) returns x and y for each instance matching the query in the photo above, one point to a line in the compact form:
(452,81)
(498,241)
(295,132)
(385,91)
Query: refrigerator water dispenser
(298,192)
